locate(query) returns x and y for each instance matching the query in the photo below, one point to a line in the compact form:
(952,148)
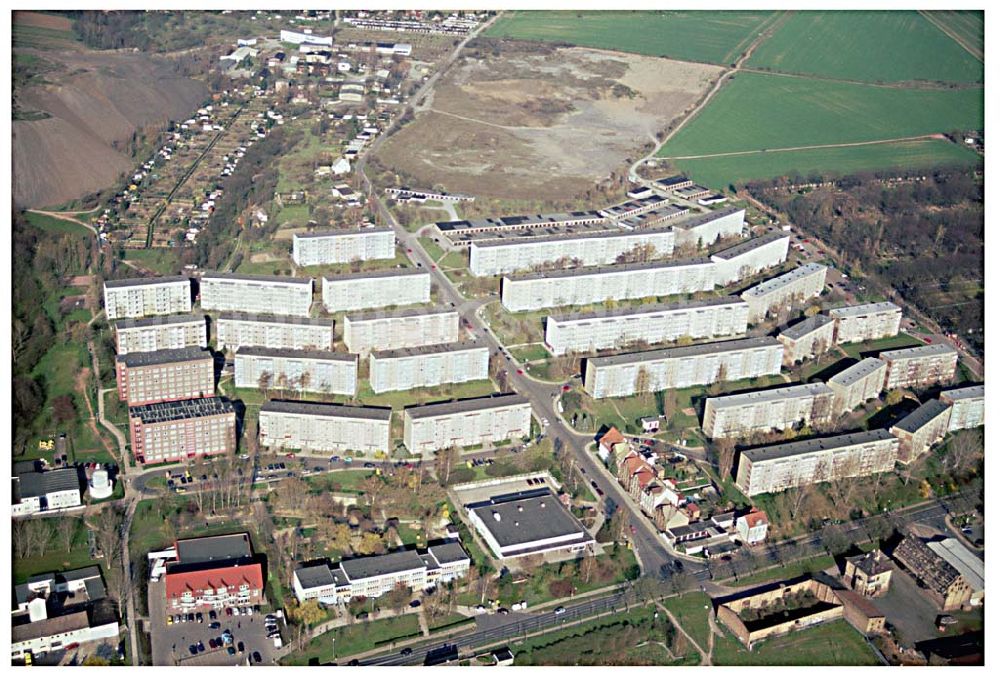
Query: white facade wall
(920,366)
(424,368)
(343,246)
(968,407)
(359,292)
(256,294)
(143,298)
(577,288)
(590,332)
(809,338)
(60,640)
(54,500)
(618,375)
(328,372)
(857,384)
(390,331)
(705,229)
(179,331)
(804,282)
(235,330)
(498,257)
(749,258)
(490,423)
(867,322)
(767,410)
(335,430)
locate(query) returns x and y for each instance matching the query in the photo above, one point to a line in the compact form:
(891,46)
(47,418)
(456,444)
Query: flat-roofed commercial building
(182,431)
(343,246)
(794,464)
(675,182)
(624,210)
(527,523)
(428,366)
(919,366)
(750,257)
(783,291)
(654,217)
(704,229)
(145,296)
(169,332)
(920,429)
(497,257)
(767,410)
(34,492)
(308,371)
(311,426)
(461,233)
(165,375)
(228,292)
(390,330)
(581,286)
(968,407)
(867,322)
(464,423)
(806,339)
(359,291)
(860,382)
(236,330)
(649,371)
(662,323)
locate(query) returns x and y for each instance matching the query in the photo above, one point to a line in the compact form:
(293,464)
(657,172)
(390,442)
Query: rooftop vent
(496,515)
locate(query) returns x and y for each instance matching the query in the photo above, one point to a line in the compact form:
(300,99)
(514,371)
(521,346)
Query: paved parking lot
(171,642)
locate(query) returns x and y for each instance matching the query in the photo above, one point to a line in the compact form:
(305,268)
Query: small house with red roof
(752,527)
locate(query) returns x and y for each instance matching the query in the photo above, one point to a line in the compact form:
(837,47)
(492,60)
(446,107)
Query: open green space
(344,481)
(723,171)
(52,556)
(855,350)
(713,37)
(527,353)
(968,26)
(756,111)
(162,261)
(294,214)
(835,643)
(352,639)
(787,571)
(53,225)
(874,46)
(432,248)
(691,611)
(158,522)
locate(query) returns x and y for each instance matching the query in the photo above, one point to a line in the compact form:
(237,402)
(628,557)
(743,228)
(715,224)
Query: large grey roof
(749,245)
(818,444)
(857,371)
(922,415)
(275,319)
(379,565)
(519,238)
(390,272)
(162,412)
(32,484)
(865,309)
(141,281)
(324,355)
(409,312)
(528,519)
(160,320)
(323,409)
(647,202)
(530,221)
(806,327)
(169,356)
(650,309)
(772,395)
(654,216)
(785,279)
(341,231)
(214,548)
(257,278)
(429,350)
(967,393)
(623,269)
(917,351)
(448,553)
(706,218)
(464,406)
(318,576)
(687,351)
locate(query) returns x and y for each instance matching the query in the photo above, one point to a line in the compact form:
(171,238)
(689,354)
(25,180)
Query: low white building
(427,366)
(323,247)
(37,492)
(390,330)
(236,330)
(170,332)
(310,371)
(380,289)
(464,423)
(752,527)
(311,427)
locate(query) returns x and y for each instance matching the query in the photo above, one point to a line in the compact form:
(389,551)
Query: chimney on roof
(496,515)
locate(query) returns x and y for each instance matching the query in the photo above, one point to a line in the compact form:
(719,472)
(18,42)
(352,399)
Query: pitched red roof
(225,577)
(644,476)
(755,517)
(612,437)
(633,462)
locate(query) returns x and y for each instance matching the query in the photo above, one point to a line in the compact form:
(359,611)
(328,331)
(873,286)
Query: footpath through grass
(691,611)
(353,639)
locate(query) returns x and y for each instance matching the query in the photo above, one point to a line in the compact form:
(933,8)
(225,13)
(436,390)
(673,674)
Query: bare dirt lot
(532,122)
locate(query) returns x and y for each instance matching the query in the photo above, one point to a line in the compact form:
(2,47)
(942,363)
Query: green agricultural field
(733,170)
(711,37)
(756,111)
(882,46)
(51,224)
(835,643)
(967,27)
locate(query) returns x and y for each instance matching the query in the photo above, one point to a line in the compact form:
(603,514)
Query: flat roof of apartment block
(325,355)
(651,309)
(140,281)
(170,356)
(688,351)
(463,406)
(324,409)
(814,445)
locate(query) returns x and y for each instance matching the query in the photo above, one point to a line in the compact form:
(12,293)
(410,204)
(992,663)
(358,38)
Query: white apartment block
(750,257)
(857,384)
(171,332)
(311,426)
(867,322)
(145,296)
(228,292)
(465,423)
(629,373)
(795,464)
(783,291)
(360,291)
(235,330)
(811,337)
(586,332)
(704,229)
(765,411)
(920,366)
(309,371)
(921,429)
(582,286)
(365,332)
(428,366)
(343,246)
(968,407)
(506,255)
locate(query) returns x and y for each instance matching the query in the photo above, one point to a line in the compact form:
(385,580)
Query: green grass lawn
(756,111)
(454,259)
(865,45)
(835,643)
(712,37)
(691,612)
(51,224)
(355,638)
(969,26)
(55,557)
(787,571)
(721,172)
(294,214)
(162,261)
(892,343)
(346,481)
(433,249)
(535,351)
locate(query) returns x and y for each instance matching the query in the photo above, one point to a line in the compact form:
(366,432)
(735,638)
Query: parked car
(231,651)
(193,649)
(213,615)
(414,604)
(240,647)
(214,626)
(256,657)
(406,651)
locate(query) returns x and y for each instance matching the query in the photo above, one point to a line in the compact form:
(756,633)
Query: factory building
(236,330)
(165,375)
(365,332)
(629,373)
(782,292)
(922,428)
(582,286)
(312,427)
(750,257)
(360,291)
(170,332)
(920,366)
(310,371)
(145,296)
(859,383)
(264,294)
(343,246)
(464,423)
(703,230)
(806,339)
(794,464)
(867,322)
(968,407)
(428,366)
(765,411)
(662,323)
(182,431)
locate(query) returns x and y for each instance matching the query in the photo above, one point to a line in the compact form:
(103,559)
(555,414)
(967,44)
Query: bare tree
(66,531)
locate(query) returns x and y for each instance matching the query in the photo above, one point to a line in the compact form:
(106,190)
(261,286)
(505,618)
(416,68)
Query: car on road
(193,649)
(231,651)
(520,372)
(559,610)
(212,615)
(545,422)
(409,251)
(566,388)
(201,646)
(200,616)
(632,528)
(334,459)
(406,651)
(348,459)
